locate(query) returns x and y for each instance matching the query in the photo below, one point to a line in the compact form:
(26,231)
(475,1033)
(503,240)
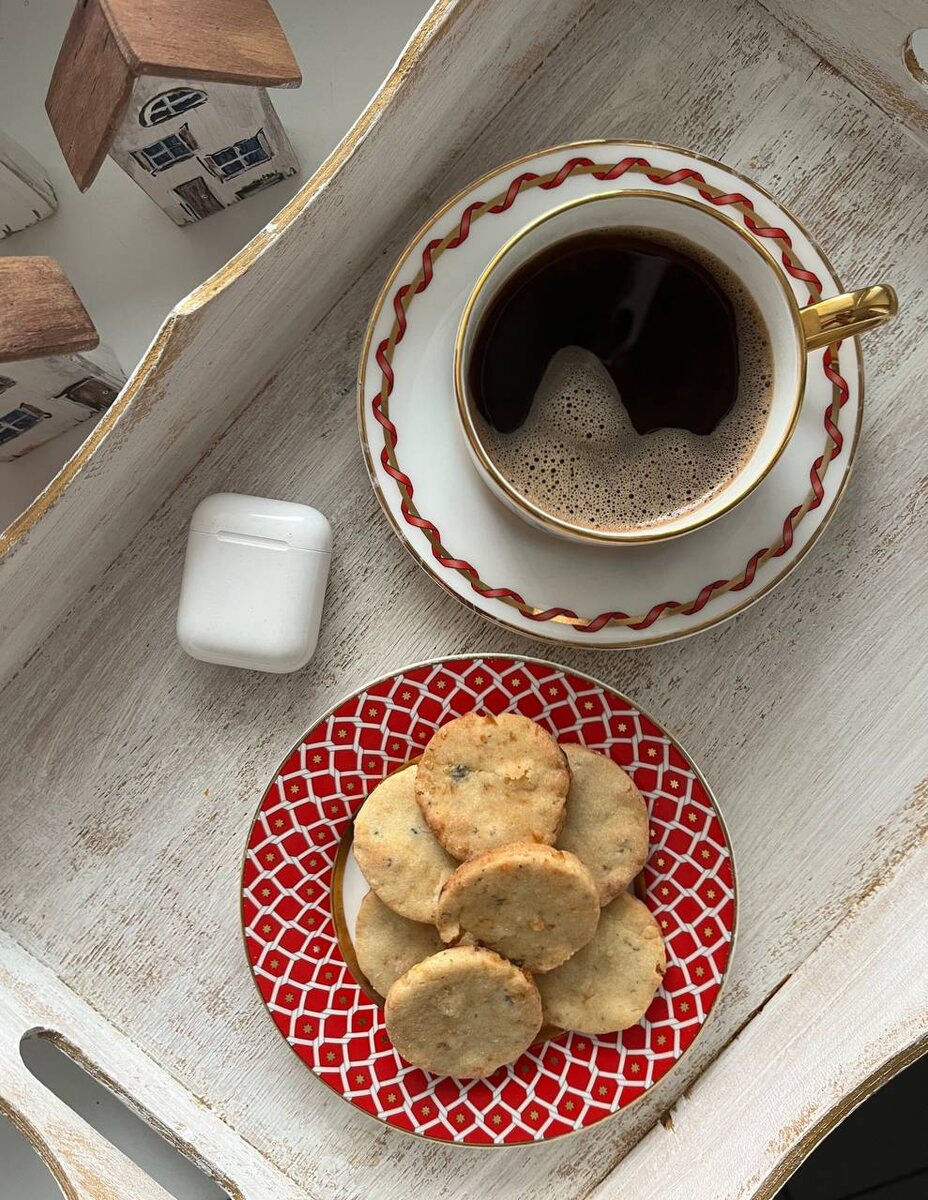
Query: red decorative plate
(298,890)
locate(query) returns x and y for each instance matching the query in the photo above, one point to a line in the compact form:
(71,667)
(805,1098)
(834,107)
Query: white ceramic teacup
(793,332)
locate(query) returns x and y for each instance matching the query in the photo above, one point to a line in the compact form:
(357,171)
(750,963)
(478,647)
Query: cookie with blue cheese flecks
(396,850)
(486,781)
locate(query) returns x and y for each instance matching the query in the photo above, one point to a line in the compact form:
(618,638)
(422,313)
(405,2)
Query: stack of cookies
(498,870)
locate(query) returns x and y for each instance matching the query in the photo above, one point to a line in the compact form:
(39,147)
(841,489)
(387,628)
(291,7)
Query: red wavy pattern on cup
(385,349)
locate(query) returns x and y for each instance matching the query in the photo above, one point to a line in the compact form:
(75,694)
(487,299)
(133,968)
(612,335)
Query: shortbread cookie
(484,782)
(397,852)
(463,1012)
(607,821)
(387,945)
(532,904)
(609,984)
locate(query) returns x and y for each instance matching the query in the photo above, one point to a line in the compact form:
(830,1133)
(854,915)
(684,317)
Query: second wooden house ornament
(176,93)
(54,373)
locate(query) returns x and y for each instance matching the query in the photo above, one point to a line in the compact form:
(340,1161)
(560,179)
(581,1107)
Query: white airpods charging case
(254,582)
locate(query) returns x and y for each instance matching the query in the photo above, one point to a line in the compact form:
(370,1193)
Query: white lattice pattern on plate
(558,1086)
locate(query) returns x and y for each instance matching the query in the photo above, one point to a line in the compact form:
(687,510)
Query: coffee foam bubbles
(579,458)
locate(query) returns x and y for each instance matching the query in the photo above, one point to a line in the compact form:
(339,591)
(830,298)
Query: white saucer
(495,562)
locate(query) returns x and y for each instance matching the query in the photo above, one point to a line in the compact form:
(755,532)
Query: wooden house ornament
(176,93)
(53,372)
(26,195)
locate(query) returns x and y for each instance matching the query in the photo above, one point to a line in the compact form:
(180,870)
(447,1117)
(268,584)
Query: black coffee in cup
(624,377)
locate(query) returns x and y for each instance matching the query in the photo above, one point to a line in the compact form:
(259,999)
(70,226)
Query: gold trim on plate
(339,920)
(515,658)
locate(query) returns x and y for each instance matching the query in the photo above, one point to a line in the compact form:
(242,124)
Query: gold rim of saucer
(654,533)
(852,436)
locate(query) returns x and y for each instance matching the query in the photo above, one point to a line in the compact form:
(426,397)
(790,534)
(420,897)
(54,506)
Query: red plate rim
(556,1088)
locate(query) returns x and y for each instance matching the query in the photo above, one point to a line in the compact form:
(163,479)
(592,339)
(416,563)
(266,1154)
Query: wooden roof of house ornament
(40,312)
(110,43)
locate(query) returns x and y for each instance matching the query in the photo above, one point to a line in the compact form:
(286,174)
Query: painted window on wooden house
(159,156)
(18,421)
(170,104)
(239,157)
(92,393)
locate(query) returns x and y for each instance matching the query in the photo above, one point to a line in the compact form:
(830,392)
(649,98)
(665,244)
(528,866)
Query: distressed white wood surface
(26,195)
(33,1001)
(865,40)
(132,772)
(795,1071)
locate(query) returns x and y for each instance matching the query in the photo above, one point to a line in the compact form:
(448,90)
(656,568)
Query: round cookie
(484,782)
(607,821)
(397,852)
(463,1012)
(387,945)
(609,984)
(533,904)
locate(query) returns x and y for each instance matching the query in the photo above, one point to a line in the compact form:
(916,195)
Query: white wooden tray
(131,773)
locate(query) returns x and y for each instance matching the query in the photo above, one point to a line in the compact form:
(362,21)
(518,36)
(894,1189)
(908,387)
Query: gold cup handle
(846,315)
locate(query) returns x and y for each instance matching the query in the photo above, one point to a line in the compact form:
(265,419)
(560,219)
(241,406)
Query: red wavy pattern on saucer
(437,246)
(559,1086)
